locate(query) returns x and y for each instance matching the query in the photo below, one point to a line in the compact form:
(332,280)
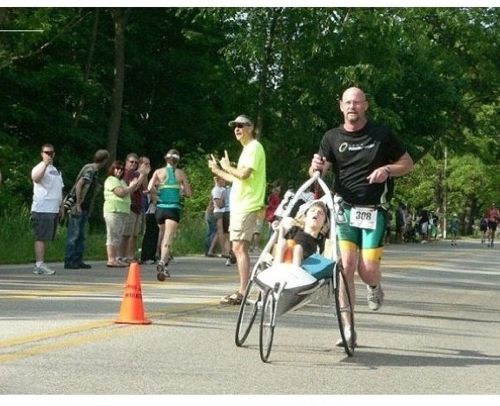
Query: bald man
(365,157)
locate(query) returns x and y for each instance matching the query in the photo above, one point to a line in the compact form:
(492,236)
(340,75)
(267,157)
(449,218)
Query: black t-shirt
(355,155)
(307,241)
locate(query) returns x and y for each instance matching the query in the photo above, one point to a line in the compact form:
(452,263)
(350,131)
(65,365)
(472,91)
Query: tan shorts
(242,226)
(134,224)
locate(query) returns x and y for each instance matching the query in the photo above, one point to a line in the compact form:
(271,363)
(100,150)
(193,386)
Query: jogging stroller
(276,289)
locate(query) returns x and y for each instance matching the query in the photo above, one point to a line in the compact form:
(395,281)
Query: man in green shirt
(247,196)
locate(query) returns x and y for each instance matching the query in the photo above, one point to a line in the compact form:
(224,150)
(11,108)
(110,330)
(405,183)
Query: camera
(69,201)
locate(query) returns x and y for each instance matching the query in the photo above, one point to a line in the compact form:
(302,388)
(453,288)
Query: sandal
(115,265)
(233,299)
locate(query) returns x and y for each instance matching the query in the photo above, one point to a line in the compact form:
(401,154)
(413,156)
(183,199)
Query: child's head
(316,217)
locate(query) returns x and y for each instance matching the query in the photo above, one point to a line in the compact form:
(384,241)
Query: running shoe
(375,297)
(43,269)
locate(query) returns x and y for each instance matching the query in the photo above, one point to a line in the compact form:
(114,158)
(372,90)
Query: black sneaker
(83,265)
(71,266)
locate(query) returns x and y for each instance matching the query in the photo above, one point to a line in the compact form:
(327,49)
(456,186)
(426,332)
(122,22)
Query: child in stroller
(304,235)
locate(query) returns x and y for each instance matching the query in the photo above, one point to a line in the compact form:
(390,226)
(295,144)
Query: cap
(241,119)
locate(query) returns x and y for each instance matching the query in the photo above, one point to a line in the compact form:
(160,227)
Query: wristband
(387,170)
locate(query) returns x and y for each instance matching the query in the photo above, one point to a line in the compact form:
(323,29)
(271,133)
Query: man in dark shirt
(84,191)
(365,157)
(135,220)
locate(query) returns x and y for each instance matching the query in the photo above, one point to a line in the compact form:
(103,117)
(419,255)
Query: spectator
(227,214)
(47,207)
(400,223)
(116,210)
(135,220)
(387,236)
(211,226)
(150,248)
(247,196)
(221,213)
(424,225)
(171,184)
(454,229)
(273,201)
(83,192)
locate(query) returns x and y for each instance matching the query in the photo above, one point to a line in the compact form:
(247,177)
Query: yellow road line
(94,333)
(60,332)
(65,344)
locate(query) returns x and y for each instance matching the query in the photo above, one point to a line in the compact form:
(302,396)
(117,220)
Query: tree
(120,21)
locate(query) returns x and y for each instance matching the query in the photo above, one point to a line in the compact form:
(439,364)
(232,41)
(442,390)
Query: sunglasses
(50,153)
(240,125)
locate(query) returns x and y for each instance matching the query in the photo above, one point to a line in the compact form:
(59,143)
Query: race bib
(363,217)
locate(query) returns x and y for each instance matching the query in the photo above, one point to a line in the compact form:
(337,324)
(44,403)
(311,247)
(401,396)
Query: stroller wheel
(344,310)
(267,325)
(248,311)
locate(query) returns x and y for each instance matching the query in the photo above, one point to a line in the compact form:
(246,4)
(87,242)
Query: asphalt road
(437,333)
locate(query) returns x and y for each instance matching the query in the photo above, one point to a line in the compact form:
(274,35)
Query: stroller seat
(318,266)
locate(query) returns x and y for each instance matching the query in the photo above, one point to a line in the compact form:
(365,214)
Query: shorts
(44,225)
(115,224)
(371,242)
(242,226)
(133,225)
(163,214)
(224,216)
(492,225)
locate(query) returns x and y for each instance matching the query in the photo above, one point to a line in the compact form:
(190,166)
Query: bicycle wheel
(344,310)
(247,313)
(267,325)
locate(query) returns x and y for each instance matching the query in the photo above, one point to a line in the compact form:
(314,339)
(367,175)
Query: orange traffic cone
(132,309)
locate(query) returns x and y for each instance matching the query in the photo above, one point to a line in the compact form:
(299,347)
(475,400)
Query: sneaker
(83,265)
(43,269)
(71,266)
(228,262)
(162,271)
(149,262)
(347,334)
(375,297)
